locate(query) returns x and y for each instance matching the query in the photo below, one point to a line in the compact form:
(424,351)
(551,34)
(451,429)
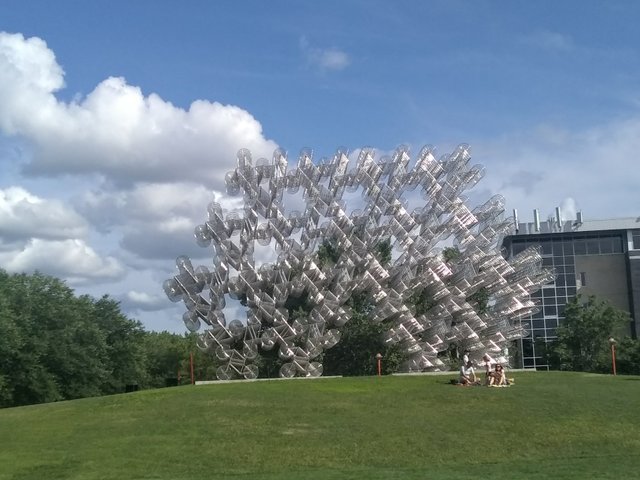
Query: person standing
(465,357)
(488,369)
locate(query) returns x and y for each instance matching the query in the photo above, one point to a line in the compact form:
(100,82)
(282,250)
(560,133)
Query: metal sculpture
(448,254)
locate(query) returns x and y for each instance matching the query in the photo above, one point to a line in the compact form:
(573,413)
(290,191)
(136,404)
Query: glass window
(593,246)
(539,333)
(527,347)
(546,248)
(571,291)
(550,310)
(636,240)
(617,245)
(516,248)
(537,323)
(567,248)
(571,281)
(606,245)
(566,260)
(556,249)
(580,247)
(547,262)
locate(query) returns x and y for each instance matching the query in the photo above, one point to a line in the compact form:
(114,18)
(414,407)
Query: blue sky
(117,125)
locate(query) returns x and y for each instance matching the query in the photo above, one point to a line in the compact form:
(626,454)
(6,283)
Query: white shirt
(466,371)
(488,361)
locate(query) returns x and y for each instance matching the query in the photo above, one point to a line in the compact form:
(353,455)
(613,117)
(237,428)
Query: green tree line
(56,345)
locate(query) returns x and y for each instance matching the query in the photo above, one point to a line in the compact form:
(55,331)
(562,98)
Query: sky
(119,119)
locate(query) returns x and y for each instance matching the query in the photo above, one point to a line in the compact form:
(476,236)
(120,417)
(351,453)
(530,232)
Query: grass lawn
(548,425)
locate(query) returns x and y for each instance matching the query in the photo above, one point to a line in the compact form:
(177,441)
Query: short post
(379,359)
(191,364)
(612,342)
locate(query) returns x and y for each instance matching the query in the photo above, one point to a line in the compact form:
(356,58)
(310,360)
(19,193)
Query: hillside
(548,425)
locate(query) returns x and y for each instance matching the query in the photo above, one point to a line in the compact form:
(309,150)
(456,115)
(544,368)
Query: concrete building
(590,257)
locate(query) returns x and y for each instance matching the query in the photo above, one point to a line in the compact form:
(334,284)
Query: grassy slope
(549,425)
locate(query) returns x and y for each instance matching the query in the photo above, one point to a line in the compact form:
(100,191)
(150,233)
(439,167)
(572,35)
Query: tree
(167,359)
(383,252)
(328,254)
(52,348)
(421,301)
(76,352)
(10,345)
(582,343)
(166,354)
(55,345)
(125,356)
(269,361)
(450,254)
(360,341)
(628,356)
(480,298)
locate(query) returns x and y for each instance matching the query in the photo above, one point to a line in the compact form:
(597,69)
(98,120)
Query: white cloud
(28,68)
(135,300)
(107,207)
(163,241)
(593,170)
(46,235)
(24,215)
(550,41)
(116,130)
(332,59)
(155,221)
(73,260)
(325,58)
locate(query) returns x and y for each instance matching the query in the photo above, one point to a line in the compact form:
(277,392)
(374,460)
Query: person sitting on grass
(467,374)
(498,378)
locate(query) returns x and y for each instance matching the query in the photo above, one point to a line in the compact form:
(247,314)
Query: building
(590,257)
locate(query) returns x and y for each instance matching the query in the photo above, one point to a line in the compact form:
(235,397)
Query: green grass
(548,425)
